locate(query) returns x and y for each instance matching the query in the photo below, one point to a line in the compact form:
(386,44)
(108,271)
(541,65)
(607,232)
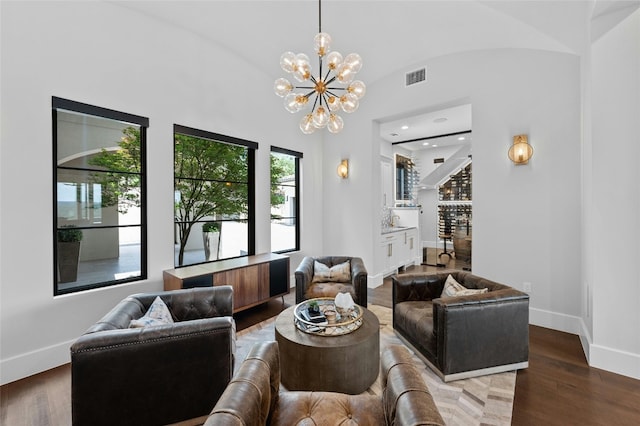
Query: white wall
(614,192)
(107,55)
(525,226)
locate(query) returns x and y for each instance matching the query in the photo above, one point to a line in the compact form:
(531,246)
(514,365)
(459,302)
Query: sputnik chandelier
(334,91)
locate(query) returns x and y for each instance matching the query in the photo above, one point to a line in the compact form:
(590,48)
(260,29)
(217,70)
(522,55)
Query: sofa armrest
(304,275)
(359,279)
(406,397)
(253,392)
(482,330)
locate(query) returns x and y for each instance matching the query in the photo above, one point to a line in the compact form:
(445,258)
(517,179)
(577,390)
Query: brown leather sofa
(462,336)
(154,375)
(254,397)
(307,289)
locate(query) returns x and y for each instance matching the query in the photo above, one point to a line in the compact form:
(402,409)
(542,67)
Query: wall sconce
(343,169)
(520,152)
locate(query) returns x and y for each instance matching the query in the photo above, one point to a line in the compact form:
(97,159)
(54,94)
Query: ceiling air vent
(415,77)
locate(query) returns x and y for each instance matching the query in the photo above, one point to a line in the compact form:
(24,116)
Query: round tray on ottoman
(332,321)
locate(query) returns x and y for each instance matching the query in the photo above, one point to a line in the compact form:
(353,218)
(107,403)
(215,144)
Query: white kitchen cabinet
(399,249)
(386,179)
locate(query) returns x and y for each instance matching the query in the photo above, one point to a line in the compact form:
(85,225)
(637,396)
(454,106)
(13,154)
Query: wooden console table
(255,279)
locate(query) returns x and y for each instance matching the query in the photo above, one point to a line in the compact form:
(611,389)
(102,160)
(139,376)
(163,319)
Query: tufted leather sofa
(463,336)
(254,397)
(154,375)
(307,289)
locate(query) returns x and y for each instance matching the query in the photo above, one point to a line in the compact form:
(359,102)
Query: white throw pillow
(453,288)
(158,314)
(340,273)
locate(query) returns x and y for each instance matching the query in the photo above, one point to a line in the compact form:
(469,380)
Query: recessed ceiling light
(405,127)
(434,145)
(425,144)
(440,120)
(461,138)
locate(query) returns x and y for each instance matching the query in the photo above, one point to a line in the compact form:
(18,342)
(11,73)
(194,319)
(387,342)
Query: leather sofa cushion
(328,290)
(416,319)
(327,408)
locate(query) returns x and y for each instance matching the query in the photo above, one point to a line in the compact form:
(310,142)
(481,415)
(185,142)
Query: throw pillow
(453,288)
(340,273)
(158,314)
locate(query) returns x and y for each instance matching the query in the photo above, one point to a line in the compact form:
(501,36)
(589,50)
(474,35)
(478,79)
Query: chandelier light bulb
(333,103)
(333,60)
(301,67)
(357,88)
(354,61)
(291,103)
(345,74)
(320,117)
(306,124)
(335,123)
(321,44)
(282,87)
(287,61)
(349,103)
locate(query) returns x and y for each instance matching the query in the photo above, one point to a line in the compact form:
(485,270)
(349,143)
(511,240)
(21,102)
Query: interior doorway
(439,146)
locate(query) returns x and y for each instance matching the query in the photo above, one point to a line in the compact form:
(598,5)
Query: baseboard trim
(375,280)
(615,361)
(556,321)
(34,362)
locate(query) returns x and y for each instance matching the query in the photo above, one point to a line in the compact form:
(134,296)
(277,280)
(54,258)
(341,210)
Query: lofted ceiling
(391,36)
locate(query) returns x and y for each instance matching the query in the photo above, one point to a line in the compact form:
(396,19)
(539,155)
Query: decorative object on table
(329,98)
(313,314)
(344,303)
(342,321)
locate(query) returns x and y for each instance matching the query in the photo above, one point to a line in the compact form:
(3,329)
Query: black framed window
(214,190)
(285,200)
(99,196)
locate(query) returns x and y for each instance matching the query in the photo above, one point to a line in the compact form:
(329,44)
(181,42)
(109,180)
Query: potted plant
(68,243)
(313,307)
(211,239)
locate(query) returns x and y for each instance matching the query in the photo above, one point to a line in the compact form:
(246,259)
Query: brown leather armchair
(462,336)
(254,398)
(155,375)
(306,288)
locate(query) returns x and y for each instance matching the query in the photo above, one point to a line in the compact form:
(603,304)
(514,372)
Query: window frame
(57,104)
(252,147)
(298,219)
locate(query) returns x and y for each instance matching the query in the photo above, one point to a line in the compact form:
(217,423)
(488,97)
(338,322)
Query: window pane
(106,255)
(283,234)
(284,202)
(98,196)
(89,198)
(212,185)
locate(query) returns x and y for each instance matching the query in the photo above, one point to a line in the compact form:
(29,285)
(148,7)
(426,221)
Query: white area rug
(486,400)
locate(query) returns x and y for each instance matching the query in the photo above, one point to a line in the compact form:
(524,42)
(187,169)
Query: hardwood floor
(558,388)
